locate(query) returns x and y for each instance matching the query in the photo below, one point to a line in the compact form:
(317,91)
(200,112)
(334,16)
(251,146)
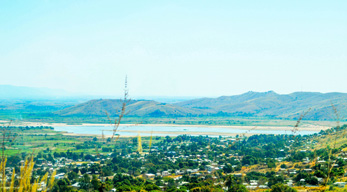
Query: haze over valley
(269,105)
(173,96)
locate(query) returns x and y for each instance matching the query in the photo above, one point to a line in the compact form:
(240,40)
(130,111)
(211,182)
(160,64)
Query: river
(172,130)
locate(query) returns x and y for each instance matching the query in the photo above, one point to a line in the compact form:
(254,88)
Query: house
(183,183)
(251,187)
(253,181)
(263,187)
(76,185)
(179,172)
(237,175)
(320,180)
(149,176)
(192,170)
(59,176)
(196,174)
(340,184)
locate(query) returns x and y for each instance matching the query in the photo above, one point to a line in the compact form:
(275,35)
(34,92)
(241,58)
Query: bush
(238,188)
(282,188)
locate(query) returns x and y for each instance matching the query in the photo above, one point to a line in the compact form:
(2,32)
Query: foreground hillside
(251,104)
(274,163)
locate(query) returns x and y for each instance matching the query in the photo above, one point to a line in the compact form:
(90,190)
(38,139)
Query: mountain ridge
(101,107)
(254,104)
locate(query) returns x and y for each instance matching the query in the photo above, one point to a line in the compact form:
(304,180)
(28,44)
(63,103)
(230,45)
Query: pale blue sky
(175,48)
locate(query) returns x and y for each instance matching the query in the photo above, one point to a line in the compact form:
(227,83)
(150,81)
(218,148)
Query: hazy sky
(175,48)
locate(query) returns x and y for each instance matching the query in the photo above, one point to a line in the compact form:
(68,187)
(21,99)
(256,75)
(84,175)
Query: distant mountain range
(11,92)
(250,104)
(21,92)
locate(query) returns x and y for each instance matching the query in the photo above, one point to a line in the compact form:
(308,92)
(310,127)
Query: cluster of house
(210,167)
(252,184)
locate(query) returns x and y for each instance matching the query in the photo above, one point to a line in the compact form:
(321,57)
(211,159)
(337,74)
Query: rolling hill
(250,104)
(134,108)
(271,104)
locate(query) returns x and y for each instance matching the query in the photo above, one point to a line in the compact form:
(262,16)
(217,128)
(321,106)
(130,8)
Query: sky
(175,48)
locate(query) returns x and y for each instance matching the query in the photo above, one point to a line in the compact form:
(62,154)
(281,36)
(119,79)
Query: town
(190,163)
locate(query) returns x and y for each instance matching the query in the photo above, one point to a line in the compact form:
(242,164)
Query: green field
(35,140)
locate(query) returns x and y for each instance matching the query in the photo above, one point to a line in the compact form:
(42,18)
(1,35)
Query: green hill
(250,104)
(134,108)
(271,104)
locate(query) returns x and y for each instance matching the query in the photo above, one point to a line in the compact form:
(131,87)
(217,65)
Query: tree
(72,175)
(62,185)
(249,160)
(282,188)
(231,181)
(228,168)
(171,183)
(271,163)
(95,182)
(85,182)
(151,187)
(237,188)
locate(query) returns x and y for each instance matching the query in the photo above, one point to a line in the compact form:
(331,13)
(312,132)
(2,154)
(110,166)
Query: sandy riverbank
(248,129)
(284,128)
(162,132)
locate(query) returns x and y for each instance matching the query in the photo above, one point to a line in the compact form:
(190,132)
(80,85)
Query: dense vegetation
(273,162)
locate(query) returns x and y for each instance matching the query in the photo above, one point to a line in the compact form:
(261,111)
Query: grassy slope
(275,105)
(223,110)
(134,108)
(268,104)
